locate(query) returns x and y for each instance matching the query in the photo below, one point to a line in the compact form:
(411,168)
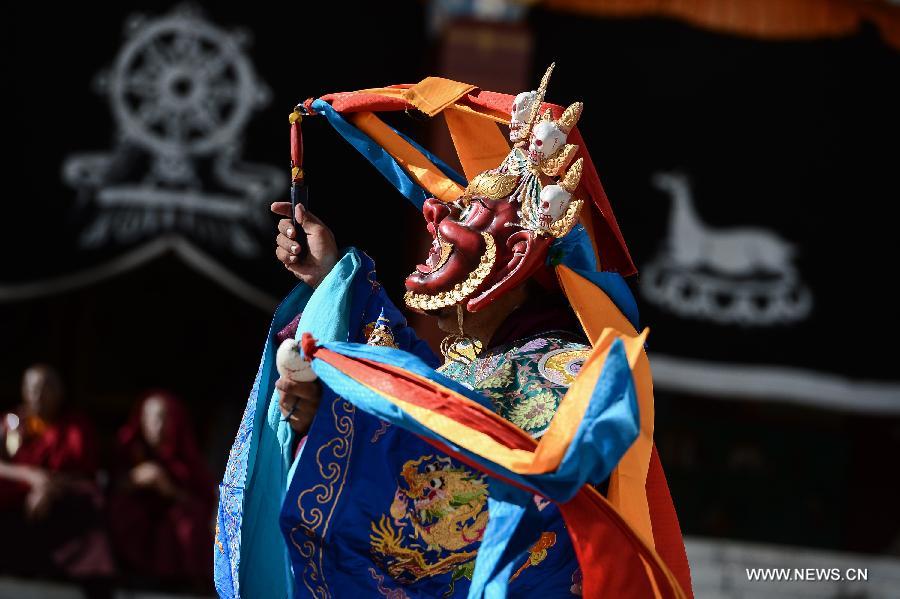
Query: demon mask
(496,235)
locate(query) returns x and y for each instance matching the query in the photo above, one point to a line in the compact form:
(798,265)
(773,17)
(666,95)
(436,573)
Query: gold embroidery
(382,429)
(534,411)
(370,277)
(219,544)
(537,553)
(499,378)
(563,365)
(316,582)
(439,511)
(380,333)
(324,495)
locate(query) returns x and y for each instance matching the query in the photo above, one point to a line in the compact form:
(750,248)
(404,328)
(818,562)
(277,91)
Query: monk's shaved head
(42,390)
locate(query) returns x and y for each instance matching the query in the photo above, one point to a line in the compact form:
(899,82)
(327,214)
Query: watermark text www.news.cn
(807,574)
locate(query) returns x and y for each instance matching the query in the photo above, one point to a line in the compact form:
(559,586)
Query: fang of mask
(518,116)
(554,203)
(546,139)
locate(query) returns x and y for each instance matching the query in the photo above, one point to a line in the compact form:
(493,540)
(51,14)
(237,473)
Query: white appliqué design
(181,91)
(742,276)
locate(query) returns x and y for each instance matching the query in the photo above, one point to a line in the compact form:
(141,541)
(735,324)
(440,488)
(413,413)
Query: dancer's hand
(298,402)
(322,254)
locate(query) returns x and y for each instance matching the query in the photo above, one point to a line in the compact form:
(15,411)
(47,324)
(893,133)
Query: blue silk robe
(367,509)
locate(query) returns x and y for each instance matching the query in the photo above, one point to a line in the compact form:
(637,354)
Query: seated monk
(162,499)
(49,499)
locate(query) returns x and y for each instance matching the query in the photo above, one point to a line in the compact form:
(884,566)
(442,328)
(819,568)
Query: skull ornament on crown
(547,147)
(497,234)
(556,199)
(520,113)
(545,140)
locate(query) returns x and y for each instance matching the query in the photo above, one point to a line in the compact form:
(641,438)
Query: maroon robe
(157,537)
(69,541)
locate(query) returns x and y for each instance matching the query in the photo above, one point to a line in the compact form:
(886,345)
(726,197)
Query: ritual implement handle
(299,190)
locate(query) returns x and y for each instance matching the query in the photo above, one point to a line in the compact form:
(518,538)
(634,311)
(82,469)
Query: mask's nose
(434,211)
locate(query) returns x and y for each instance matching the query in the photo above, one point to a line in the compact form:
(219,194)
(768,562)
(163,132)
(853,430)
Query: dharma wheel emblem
(181,92)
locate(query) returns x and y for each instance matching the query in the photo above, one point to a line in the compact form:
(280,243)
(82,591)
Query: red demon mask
(497,234)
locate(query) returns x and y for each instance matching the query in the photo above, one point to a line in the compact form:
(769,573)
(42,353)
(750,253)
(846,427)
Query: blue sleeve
(377,303)
(251,558)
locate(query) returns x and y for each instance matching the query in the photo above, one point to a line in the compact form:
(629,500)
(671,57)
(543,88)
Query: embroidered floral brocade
(524,380)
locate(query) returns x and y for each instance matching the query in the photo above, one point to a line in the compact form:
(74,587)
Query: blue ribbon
(576,251)
(513,527)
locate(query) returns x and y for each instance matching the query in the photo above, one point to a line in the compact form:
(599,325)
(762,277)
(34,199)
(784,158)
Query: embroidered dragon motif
(438,511)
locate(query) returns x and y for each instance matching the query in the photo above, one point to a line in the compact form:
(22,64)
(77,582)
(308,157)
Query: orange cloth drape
(627,483)
(480,145)
(419,167)
(637,487)
(433,94)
